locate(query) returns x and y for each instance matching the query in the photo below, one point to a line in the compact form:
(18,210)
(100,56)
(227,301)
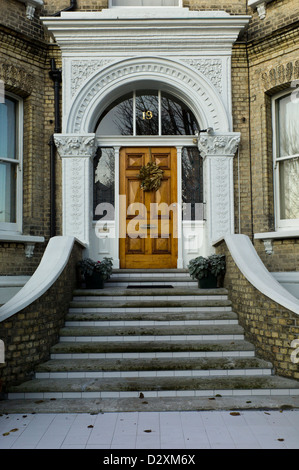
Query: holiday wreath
(151,176)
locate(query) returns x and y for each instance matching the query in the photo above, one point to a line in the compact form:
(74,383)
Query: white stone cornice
(31,6)
(90,33)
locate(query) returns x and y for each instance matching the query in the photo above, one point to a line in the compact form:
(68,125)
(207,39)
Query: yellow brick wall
(269,326)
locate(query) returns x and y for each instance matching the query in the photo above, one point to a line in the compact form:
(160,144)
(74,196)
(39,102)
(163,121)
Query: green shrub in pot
(95,273)
(208,271)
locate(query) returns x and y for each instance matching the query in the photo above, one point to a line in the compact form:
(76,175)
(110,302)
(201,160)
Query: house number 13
(147,115)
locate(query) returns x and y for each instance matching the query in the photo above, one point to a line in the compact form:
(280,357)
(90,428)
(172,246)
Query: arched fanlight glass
(147,112)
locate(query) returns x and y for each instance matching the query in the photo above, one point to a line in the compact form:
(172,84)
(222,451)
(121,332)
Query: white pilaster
(76,152)
(218,153)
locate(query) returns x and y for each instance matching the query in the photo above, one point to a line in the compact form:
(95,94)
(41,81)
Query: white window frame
(180,5)
(16,227)
(280,224)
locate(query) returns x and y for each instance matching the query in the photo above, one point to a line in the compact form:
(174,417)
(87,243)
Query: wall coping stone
(251,266)
(52,264)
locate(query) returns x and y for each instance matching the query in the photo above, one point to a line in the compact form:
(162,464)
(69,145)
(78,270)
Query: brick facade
(264,61)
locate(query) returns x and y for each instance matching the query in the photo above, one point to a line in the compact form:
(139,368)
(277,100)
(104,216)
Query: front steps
(154,343)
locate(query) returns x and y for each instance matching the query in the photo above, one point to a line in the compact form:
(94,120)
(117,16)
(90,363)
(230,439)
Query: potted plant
(95,273)
(208,271)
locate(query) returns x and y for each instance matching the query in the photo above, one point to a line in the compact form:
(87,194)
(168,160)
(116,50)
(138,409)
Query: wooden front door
(148,219)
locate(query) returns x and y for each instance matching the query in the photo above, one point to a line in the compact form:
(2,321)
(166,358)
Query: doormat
(149,287)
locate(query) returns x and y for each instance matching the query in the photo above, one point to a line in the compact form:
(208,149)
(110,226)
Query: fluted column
(218,151)
(76,152)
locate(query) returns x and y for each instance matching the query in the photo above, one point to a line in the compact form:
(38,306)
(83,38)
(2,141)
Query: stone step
(217,317)
(154,387)
(152,367)
(181,293)
(139,349)
(152,272)
(147,282)
(152,305)
(152,333)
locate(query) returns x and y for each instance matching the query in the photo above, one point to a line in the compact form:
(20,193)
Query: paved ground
(247,429)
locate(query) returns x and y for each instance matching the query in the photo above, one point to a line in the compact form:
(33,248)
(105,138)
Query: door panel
(150,220)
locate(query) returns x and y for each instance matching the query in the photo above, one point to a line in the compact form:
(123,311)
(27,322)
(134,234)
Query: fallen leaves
(8,433)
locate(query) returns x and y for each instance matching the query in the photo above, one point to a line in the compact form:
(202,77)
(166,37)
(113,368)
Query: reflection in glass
(7,192)
(176,117)
(155,112)
(288,130)
(289,188)
(117,119)
(8,128)
(147,113)
(192,183)
(104,179)
(288,152)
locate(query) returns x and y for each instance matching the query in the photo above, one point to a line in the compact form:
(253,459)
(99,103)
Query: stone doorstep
(171,292)
(185,330)
(150,347)
(171,386)
(219,315)
(150,305)
(150,404)
(220,364)
(152,272)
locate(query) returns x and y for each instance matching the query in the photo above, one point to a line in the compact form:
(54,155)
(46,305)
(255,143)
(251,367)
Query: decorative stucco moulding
(31,6)
(260,6)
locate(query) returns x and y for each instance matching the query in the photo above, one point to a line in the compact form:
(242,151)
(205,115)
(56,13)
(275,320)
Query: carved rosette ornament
(218,153)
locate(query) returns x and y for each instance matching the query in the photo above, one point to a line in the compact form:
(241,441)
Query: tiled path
(152,430)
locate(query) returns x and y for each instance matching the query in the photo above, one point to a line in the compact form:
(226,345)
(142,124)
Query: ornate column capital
(222,145)
(75,145)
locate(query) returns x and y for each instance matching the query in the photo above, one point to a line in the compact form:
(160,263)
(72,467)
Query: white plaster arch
(110,82)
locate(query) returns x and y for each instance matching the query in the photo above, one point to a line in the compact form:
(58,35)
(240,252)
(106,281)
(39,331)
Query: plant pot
(95,281)
(209,282)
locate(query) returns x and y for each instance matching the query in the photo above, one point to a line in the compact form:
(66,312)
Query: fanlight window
(147,112)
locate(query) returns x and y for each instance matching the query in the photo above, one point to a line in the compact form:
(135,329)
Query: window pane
(145,3)
(147,113)
(192,186)
(288,129)
(117,118)
(177,119)
(289,188)
(7,192)
(8,128)
(104,178)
